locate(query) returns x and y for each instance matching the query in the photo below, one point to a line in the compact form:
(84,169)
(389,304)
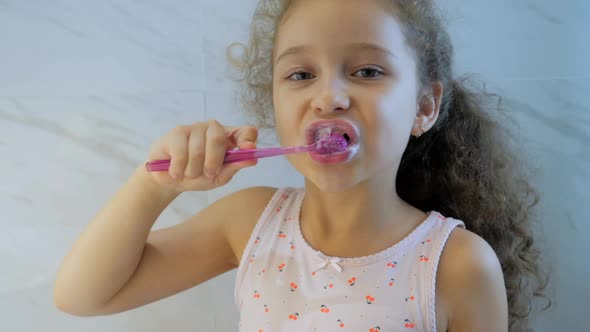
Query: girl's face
(345,65)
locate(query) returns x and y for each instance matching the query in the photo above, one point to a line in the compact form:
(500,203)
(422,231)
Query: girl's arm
(117,264)
(470,285)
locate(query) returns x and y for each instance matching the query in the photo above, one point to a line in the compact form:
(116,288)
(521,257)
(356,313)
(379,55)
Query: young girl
(422,223)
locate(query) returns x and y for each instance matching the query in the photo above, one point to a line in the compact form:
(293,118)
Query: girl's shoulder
(242,210)
(470,282)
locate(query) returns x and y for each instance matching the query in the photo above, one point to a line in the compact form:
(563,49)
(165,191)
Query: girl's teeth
(323,133)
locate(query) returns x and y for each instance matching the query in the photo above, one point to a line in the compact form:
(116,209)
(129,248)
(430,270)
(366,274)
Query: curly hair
(465,166)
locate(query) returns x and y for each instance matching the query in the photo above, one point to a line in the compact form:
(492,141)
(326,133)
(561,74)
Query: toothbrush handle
(234,156)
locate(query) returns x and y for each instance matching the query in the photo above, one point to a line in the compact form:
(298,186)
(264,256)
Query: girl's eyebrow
(358,46)
(363,46)
(292,51)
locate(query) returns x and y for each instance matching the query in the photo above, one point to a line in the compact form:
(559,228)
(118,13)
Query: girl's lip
(332,158)
(341,126)
(337,158)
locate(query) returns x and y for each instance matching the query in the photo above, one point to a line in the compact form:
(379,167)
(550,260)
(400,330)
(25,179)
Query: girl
(421,224)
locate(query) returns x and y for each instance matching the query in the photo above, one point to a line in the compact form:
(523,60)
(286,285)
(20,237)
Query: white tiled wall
(86,86)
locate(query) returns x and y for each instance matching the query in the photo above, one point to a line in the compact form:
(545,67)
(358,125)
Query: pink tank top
(283,284)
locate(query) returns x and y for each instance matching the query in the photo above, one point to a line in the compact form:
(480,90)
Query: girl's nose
(332,97)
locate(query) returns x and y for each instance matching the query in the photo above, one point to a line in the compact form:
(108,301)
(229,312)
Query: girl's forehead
(338,23)
(341,13)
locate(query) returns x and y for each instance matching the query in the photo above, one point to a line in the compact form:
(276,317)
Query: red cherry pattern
(408,324)
(392,264)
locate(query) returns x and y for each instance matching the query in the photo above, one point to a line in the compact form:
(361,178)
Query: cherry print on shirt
(262,271)
(257,240)
(266,309)
(282,267)
(256,294)
(423,258)
(292,245)
(369,299)
(252,258)
(340,323)
(293,286)
(427,241)
(408,324)
(410,298)
(324,309)
(285,196)
(282,235)
(391,281)
(330,285)
(375,329)
(313,274)
(279,209)
(352,281)
(294,316)
(392,264)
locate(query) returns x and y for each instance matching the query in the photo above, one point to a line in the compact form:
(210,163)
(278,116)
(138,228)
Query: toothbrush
(327,145)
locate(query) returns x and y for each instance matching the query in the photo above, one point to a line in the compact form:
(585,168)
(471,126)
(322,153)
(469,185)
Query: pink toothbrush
(327,145)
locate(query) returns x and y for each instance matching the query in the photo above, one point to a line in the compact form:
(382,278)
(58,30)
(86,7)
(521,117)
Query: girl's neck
(369,210)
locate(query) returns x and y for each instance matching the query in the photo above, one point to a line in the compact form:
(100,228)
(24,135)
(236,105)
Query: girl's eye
(368,72)
(300,76)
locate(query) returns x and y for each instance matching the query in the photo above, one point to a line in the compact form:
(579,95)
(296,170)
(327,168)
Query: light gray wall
(86,86)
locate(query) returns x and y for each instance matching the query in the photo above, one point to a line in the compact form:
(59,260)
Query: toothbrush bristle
(331,144)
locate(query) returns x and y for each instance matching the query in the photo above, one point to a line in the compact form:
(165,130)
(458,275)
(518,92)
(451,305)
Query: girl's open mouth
(326,128)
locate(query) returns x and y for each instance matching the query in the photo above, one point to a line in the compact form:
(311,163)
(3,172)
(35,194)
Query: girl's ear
(428,109)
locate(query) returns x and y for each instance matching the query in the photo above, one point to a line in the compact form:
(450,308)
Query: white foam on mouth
(323,133)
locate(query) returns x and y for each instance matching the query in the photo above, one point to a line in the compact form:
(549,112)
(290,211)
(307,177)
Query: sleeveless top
(283,284)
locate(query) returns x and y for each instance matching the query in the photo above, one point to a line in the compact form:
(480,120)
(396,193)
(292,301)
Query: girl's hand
(197,152)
